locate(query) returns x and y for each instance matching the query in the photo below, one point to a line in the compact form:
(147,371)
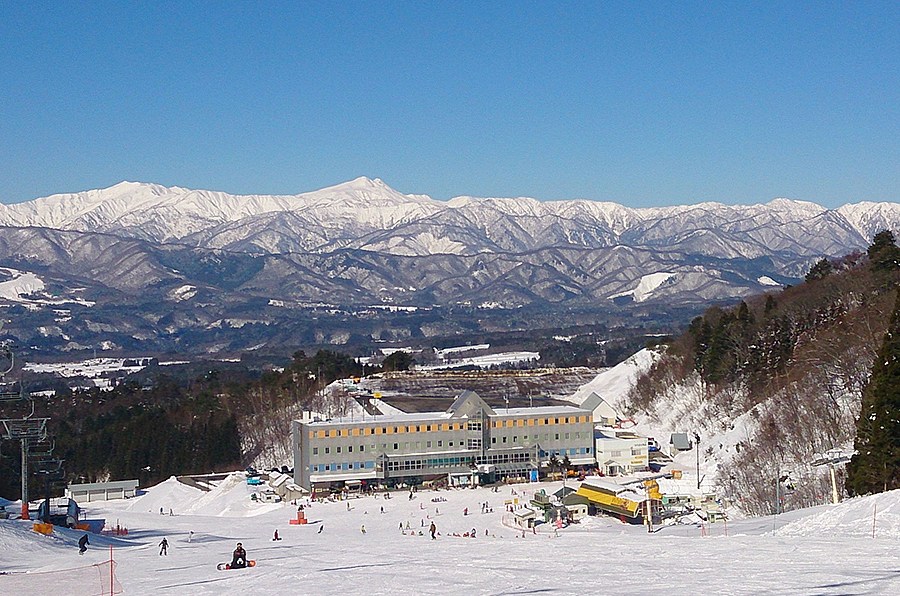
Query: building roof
(382,419)
(541,411)
(466,404)
(681,441)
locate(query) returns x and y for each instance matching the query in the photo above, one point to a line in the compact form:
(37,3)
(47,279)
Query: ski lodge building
(468,440)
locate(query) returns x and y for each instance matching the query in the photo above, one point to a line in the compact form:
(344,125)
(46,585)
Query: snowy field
(825,550)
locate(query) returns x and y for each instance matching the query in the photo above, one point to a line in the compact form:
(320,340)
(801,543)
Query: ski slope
(825,550)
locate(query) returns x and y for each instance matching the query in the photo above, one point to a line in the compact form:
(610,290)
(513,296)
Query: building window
(493,440)
(338,449)
(474,444)
(504,439)
(473,425)
(362,447)
(315,451)
(396,446)
(440,443)
(349,448)
(428,444)
(327,450)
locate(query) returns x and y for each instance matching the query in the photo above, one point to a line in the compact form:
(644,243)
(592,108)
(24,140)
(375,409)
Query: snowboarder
(239,557)
(191,536)
(82,544)
(164,547)
(466,511)
(322,527)
(362,529)
(432,529)
(276,536)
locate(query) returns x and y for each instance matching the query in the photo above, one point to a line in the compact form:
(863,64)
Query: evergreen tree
(398,361)
(884,254)
(876,465)
(822,269)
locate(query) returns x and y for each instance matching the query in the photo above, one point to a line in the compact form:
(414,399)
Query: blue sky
(642,103)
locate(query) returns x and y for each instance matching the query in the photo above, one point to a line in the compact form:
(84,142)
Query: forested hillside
(787,371)
(195,420)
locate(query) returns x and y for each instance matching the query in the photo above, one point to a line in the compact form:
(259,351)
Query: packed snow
(826,550)
(645,286)
(19,284)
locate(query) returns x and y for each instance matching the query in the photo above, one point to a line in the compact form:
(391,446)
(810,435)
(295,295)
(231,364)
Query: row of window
(406,446)
(473,425)
(564,452)
(505,458)
(625,452)
(469,444)
(442,462)
(339,467)
(430,464)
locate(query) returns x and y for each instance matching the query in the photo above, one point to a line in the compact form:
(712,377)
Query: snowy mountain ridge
(368,214)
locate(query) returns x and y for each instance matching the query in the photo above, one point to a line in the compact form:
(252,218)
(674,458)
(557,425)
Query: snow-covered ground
(826,550)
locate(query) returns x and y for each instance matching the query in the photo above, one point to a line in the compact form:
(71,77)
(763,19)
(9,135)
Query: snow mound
(230,497)
(613,384)
(853,518)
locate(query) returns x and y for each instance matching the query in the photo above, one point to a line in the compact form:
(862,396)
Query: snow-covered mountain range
(362,243)
(368,215)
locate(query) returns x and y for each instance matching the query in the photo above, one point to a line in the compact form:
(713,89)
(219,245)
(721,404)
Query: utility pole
(697,445)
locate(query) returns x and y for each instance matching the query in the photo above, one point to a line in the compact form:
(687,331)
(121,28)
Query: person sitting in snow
(239,557)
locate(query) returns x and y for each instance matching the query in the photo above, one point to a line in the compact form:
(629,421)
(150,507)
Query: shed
(524,516)
(681,442)
(102,491)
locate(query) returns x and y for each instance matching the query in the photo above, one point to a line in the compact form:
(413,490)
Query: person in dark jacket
(82,544)
(164,547)
(239,557)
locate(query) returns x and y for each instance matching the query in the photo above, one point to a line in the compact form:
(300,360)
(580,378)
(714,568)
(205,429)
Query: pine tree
(876,465)
(822,269)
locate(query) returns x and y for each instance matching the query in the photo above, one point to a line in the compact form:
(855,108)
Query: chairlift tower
(28,430)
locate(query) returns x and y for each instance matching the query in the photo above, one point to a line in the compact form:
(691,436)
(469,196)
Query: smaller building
(102,491)
(602,413)
(524,517)
(680,442)
(620,452)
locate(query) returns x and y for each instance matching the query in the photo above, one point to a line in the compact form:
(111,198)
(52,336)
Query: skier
(191,536)
(322,527)
(362,529)
(239,557)
(82,544)
(432,529)
(276,536)
(164,547)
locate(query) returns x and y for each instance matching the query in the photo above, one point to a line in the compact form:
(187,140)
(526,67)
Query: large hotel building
(470,436)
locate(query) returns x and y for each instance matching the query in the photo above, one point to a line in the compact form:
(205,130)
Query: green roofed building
(468,440)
